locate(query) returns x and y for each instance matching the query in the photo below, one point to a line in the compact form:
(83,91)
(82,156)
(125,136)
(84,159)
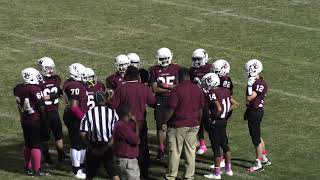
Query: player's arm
(234,103)
(159,88)
(218,108)
(75,109)
(252,96)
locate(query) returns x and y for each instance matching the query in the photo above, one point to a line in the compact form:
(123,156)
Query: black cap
(123,110)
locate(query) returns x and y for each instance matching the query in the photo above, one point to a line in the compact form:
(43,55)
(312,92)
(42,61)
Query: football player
(163,78)
(256,92)
(221,67)
(51,87)
(29,98)
(220,103)
(135,61)
(76,105)
(199,68)
(114,80)
(93,86)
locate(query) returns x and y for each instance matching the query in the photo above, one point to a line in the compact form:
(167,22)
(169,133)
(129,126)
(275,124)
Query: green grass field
(284,34)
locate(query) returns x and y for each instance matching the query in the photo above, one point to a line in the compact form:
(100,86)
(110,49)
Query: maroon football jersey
(115,80)
(187,99)
(135,94)
(225,81)
(199,72)
(223,96)
(77,91)
(261,88)
(51,85)
(27,96)
(168,75)
(99,86)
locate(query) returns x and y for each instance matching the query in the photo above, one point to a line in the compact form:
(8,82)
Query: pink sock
(36,157)
(27,157)
(264,152)
(202,142)
(161,147)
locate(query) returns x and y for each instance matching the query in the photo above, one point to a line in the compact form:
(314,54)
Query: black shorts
(73,125)
(54,126)
(254,117)
(94,161)
(31,134)
(160,111)
(218,136)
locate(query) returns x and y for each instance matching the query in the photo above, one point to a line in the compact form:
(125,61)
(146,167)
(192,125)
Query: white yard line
(41,41)
(194,19)
(228,14)
(57,45)
(85,38)
(161,26)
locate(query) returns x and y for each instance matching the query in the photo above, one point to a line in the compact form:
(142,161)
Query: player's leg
(215,139)
(160,112)
(255,133)
(56,128)
(225,148)
(35,145)
(144,155)
(205,115)
(45,137)
(27,151)
(110,165)
(75,143)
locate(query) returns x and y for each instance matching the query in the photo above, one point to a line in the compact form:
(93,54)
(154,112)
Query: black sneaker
(160,156)
(28,171)
(41,173)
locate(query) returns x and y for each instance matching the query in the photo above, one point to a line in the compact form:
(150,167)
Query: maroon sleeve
(173,99)
(153,77)
(109,82)
(126,133)
(151,99)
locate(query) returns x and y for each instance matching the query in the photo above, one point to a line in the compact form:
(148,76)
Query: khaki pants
(182,139)
(129,168)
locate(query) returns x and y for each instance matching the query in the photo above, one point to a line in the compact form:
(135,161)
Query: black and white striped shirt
(98,122)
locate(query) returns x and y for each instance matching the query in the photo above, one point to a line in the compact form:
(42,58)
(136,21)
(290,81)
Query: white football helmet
(210,81)
(46,66)
(253,67)
(90,77)
(221,67)
(30,76)
(164,57)
(122,63)
(76,71)
(134,59)
(199,58)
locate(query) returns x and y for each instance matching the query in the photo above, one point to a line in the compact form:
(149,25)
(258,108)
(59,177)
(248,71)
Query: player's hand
(133,118)
(251,81)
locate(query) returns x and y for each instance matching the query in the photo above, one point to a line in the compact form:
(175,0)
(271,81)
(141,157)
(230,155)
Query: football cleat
(222,164)
(202,150)
(28,171)
(41,173)
(266,161)
(80,174)
(228,171)
(256,166)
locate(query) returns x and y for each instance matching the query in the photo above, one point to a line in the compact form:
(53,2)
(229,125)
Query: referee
(96,130)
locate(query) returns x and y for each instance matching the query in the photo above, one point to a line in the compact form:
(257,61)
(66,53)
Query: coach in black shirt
(96,129)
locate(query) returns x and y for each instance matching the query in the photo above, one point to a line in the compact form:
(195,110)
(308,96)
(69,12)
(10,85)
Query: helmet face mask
(199,58)
(90,77)
(221,67)
(122,63)
(164,57)
(30,76)
(253,68)
(46,66)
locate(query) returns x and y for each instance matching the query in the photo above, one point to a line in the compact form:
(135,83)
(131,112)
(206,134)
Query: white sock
(264,157)
(83,155)
(75,157)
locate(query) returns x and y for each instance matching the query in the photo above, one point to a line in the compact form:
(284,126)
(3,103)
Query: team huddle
(107,122)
